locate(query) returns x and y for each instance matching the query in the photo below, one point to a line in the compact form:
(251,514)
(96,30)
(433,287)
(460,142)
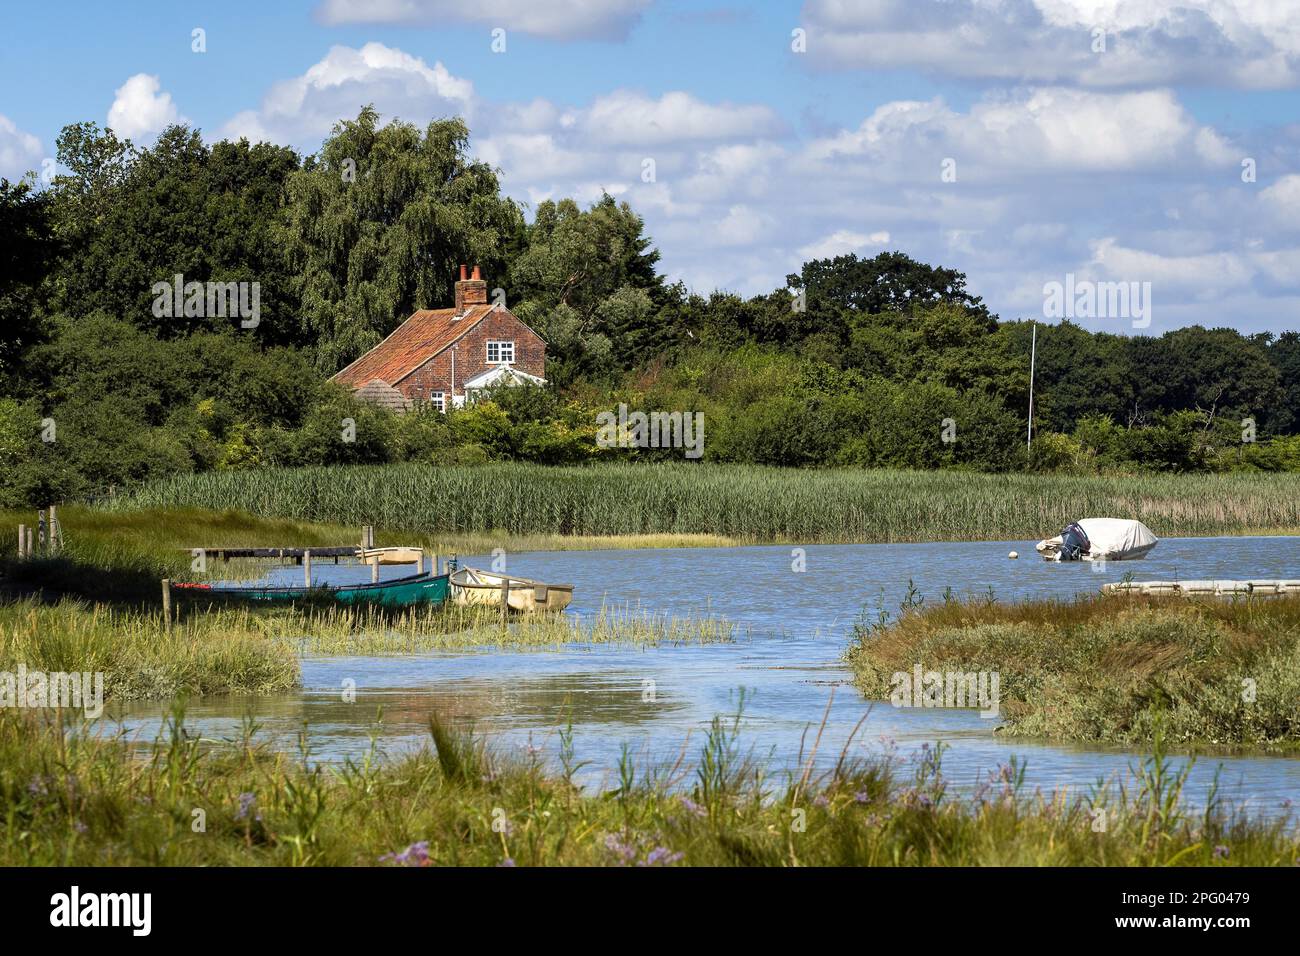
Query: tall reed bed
(85,800)
(742,502)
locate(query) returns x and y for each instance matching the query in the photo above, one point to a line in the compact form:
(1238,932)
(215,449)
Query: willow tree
(380,221)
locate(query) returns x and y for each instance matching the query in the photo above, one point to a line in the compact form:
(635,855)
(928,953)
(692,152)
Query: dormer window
(500,353)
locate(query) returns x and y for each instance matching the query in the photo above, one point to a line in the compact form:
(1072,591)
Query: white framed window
(500,353)
(438,400)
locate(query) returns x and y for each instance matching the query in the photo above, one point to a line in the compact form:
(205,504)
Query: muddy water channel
(786,663)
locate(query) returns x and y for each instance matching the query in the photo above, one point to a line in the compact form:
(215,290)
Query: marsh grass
(228,652)
(334,631)
(1105,668)
(216,649)
(740,503)
(78,799)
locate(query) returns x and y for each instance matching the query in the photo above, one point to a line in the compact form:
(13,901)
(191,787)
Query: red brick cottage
(444,356)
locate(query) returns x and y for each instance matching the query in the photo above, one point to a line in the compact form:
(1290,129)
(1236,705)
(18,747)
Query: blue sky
(1121,164)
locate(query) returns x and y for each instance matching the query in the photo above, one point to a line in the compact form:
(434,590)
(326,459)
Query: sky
(1032,144)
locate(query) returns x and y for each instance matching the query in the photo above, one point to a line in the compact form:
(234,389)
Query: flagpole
(1033,356)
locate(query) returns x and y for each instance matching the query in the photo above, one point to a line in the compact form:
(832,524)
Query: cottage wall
(471,358)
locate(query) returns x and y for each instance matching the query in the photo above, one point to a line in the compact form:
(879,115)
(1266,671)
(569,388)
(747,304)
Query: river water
(794,627)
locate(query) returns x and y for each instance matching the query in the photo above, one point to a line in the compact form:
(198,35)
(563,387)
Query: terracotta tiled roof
(414,342)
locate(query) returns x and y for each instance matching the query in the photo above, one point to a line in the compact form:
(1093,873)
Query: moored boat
(1099,539)
(415,589)
(472,586)
(391,555)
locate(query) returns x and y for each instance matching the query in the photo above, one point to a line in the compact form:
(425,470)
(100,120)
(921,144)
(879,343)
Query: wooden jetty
(293,554)
(1260,588)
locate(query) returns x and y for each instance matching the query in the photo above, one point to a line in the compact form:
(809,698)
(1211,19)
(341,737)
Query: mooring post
(167,603)
(306,566)
(22,540)
(30,532)
(505,599)
(374,571)
(419,562)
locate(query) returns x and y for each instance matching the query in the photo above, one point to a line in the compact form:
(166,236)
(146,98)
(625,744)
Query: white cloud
(140,107)
(554,19)
(1247,43)
(1282,199)
(303,110)
(19,151)
(1048,129)
(629,118)
(1050,180)
(842,242)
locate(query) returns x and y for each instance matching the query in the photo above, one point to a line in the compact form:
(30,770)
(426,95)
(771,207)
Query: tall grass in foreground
(81,800)
(740,501)
(1107,667)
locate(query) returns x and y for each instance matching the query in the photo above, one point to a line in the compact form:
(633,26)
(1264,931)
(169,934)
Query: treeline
(854,362)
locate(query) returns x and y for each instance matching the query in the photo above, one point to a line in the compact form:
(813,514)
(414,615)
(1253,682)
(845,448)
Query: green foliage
(854,363)
(378,224)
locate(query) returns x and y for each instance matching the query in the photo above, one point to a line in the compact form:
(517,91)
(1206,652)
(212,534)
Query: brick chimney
(470,292)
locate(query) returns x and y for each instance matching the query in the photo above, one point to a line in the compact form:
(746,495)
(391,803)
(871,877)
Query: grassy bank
(86,801)
(1108,668)
(743,503)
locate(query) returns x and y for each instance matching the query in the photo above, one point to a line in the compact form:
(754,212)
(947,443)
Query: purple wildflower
(417,854)
(1221,852)
(661,856)
(693,807)
(247,803)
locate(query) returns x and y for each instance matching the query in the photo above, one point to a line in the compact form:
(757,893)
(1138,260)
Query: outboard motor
(1074,543)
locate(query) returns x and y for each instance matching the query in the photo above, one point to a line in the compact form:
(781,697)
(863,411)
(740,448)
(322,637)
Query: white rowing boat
(394,555)
(472,586)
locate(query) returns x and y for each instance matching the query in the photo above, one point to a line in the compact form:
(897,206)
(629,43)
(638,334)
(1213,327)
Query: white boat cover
(1112,539)
(1117,538)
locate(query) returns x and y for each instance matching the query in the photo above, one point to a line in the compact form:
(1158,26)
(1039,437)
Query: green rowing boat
(400,592)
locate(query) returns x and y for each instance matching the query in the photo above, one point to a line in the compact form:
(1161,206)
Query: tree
(209,215)
(379,223)
(26,258)
(586,281)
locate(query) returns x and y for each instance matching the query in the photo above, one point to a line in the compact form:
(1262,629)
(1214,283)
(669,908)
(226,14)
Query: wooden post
(374,571)
(306,566)
(419,562)
(22,541)
(505,598)
(40,529)
(167,603)
(30,532)
(54,530)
